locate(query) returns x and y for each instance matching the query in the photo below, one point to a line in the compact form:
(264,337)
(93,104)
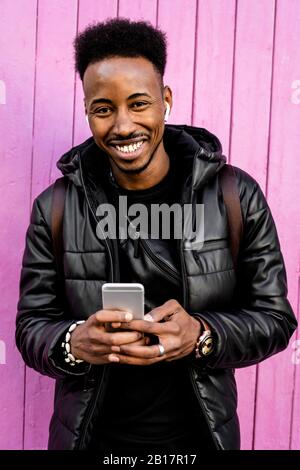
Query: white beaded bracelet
(67,347)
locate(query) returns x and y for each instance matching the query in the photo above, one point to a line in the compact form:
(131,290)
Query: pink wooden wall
(234,67)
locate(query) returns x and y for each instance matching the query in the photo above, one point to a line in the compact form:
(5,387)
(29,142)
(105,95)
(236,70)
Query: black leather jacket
(247,308)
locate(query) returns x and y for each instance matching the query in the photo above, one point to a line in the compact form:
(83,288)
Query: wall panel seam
(232,81)
(30,190)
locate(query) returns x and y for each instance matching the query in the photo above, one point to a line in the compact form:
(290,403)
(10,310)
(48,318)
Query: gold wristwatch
(205,344)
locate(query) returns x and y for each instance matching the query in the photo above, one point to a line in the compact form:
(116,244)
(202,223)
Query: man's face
(125,104)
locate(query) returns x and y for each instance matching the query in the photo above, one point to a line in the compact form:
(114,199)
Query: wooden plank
(275,385)
(249,141)
(54,97)
(90,11)
(214,67)
(54,89)
(252,85)
(180,27)
(138,10)
(295,415)
(16,115)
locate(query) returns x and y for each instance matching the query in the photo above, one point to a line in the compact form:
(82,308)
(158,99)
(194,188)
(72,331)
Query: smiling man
(166,383)
(125,103)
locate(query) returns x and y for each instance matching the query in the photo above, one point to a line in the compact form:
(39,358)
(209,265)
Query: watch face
(207,346)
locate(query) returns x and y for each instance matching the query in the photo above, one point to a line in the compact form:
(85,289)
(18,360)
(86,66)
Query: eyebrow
(107,101)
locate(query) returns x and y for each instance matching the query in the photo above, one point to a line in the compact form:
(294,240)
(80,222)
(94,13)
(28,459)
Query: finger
(153,328)
(113,358)
(136,361)
(142,342)
(145,341)
(118,338)
(103,351)
(103,316)
(98,355)
(164,312)
(131,360)
(116,325)
(101,359)
(146,352)
(143,326)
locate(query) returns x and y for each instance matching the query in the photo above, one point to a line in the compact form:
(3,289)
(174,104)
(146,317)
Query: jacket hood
(200,148)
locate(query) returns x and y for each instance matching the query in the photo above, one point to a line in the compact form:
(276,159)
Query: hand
(91,342)
(176,330)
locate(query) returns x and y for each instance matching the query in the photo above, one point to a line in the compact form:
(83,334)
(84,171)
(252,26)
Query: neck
(150,176)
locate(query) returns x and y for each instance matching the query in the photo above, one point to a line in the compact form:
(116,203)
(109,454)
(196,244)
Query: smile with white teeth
(129,148)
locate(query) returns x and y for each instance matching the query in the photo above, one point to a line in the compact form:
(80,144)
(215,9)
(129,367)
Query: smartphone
(123,296)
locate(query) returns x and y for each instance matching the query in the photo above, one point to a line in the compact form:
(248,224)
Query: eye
(102,110)
(139,104)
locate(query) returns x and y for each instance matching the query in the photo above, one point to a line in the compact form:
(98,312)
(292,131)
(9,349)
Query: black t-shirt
(151,407)
(161,276)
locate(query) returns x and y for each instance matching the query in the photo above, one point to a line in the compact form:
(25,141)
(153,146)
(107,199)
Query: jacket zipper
(211,245)
(162,266)
(99,390)
(91,409)
(202,407)
(94,215)
(186,307)
(184,276)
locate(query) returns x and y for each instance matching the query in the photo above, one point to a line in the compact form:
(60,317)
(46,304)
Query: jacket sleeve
(262,321)
(41,320)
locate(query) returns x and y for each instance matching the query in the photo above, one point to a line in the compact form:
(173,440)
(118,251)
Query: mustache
(133,135)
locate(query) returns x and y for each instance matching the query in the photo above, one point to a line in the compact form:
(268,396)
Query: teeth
(129,148)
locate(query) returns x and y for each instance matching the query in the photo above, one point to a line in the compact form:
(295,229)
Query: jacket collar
(201,150)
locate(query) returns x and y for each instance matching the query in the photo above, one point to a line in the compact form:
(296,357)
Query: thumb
(148,317)
(158,314)
(163,312)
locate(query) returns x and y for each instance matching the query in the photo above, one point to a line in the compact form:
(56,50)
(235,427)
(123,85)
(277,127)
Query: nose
(123,125)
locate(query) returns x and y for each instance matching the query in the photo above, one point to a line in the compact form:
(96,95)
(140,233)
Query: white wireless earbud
(167,112)
(87,119)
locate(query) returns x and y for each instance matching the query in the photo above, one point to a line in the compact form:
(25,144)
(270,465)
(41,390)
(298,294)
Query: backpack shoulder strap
(232,202)
(57,212)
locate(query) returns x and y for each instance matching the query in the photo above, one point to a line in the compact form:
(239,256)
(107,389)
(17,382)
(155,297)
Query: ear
(167,95)
(168,101)
(167,112)
(85,111)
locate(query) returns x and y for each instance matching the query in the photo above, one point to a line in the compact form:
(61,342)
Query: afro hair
(120,37)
